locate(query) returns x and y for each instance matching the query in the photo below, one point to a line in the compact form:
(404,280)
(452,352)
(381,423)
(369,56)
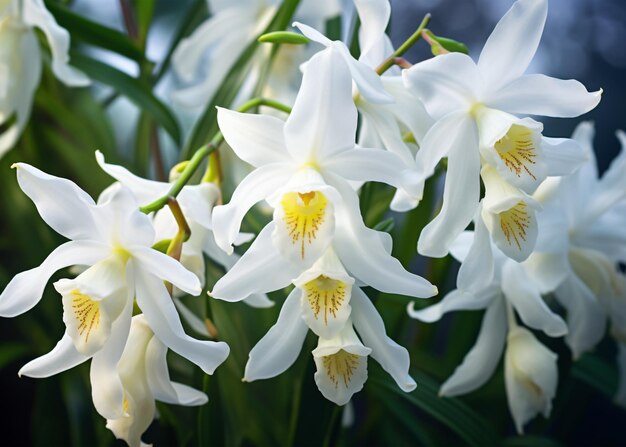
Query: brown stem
(155,152)
(129,19)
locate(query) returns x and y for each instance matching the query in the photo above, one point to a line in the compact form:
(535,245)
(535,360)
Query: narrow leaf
(94,33)
(137,91)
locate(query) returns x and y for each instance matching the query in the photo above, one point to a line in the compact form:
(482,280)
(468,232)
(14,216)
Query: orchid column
(316,240)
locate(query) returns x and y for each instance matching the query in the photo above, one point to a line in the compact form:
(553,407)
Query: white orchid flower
(341,360)
(488,280)
(20,62)
(204,58)
(530,376)
(341,364)
(302,168)
(113,239)
(143,372)
(389,110)
(196,202)
(583,241)
(472,104)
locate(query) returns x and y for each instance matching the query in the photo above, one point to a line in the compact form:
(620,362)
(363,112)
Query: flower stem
(175,248)
(390,61)
(203,152)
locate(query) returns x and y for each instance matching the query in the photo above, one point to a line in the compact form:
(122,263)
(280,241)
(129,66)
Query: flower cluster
(548,229)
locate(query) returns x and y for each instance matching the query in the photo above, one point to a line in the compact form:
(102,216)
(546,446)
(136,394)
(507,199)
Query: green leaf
(284,37)
(11,351)
(94,33)
(596,372)
(385,225)
(137,91)
(451,412)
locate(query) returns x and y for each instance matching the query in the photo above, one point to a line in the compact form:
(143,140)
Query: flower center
(304,214)
(325,295)
(518,151)
(515,223)
(340,366)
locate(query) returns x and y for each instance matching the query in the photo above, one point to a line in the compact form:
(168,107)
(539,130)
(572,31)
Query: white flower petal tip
(281,345)
(530,377)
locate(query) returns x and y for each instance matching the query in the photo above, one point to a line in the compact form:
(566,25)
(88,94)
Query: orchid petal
(513,43)
(160,312)
(258,185)
(546,270)
(187,57)
(143,189)
(363,252)
(256,139)
(257,300)
(460,195)
(34,13)
(261,269)
(280,347)
(392,357)
(366,79)
(341,365)
(65,207)
(167,268)
(481,361)
(374,16)
(119,220)
(454,301)
(28,51)
(25,289)
(477,270)
(563,156)
(159,381)
(526,299)
(612,186)
(585,317)
(63,356)
(542,95)
(370,165)
(530,374)
(322,124)
(107,391)
(445,84)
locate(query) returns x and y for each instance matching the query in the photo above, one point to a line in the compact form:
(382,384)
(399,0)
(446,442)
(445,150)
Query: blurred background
(583,40)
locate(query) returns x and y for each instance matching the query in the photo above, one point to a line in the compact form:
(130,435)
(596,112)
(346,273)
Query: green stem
(295,411)
(331,425)
(203,152)
(389,62)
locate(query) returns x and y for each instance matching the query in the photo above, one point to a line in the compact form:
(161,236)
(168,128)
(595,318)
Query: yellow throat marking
(515,223)
(517,150)
(304,214)
(87,312)
(341,366)
(327,294)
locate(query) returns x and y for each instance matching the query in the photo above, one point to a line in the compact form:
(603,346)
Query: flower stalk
(200,154)
(417,35)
